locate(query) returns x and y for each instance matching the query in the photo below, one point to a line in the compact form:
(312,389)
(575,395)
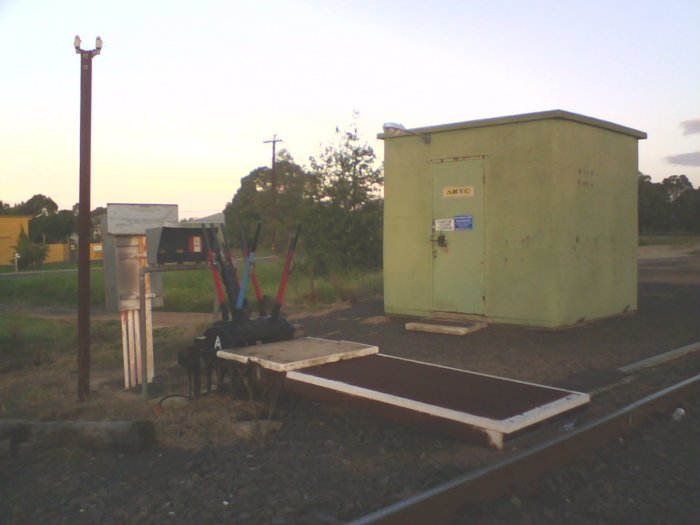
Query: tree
(253,200)
(675,186)
(671,206)
(37,205)
(685,211)
(95,223)
(338,200)
(31,254)
(345,174)
(48,223)
(249,202)
(343,208)
(53,228)
(653,213)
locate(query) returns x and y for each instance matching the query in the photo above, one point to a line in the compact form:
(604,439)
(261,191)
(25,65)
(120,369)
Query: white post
(142,332)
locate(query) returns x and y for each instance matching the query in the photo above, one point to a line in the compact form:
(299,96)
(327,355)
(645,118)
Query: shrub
(31,254)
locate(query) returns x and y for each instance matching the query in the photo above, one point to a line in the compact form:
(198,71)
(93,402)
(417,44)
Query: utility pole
(273,185)
(84,222)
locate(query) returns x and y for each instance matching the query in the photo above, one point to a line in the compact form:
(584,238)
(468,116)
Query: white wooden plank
(137,344)
(232,356)
(299,353)
(133,372)
(546,411)
(480,374)
(149,332)
(125,348)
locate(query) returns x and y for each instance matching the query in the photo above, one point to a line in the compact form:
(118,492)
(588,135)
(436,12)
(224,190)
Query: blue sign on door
(464,222)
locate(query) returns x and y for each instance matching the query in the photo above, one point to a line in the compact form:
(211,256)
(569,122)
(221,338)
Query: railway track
(441,503)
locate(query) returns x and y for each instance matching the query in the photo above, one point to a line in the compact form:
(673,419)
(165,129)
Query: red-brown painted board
(424,422)
(480,395)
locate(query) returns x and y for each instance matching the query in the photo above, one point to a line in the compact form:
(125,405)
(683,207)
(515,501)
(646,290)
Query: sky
(186,93)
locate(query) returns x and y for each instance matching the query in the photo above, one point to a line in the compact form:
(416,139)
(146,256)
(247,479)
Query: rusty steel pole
(84,222)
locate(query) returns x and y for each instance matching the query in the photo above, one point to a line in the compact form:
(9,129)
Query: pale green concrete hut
(527,219)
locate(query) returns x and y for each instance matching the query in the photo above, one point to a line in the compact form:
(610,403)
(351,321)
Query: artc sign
(457,191)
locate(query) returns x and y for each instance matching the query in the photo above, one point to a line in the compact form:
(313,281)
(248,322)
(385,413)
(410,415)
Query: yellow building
(527,219)
(10,228)
(57,253)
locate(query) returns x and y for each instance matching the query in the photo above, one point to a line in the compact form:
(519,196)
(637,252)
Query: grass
(26,339)
(66,265)
(38,380)
(59,289)
(31,339)
(38,363)
(190,291)
(193,291)
(38,353)
(38,360)
(38,372)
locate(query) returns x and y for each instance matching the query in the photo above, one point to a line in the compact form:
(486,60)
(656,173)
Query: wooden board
(445,327)
(494,406)
(295,354)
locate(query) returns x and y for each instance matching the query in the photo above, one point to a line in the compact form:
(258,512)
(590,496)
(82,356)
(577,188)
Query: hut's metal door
(458,236)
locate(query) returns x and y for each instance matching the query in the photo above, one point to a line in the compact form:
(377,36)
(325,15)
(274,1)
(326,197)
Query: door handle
(441,240)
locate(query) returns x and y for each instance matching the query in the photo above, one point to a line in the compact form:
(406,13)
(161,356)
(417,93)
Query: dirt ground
(328,464)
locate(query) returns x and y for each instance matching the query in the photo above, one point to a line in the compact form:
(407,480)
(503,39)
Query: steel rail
(440,504)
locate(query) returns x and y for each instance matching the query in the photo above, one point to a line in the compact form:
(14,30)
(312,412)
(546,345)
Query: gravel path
(651,477)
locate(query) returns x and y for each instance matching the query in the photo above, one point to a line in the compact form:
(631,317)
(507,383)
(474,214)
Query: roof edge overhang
(558,114)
